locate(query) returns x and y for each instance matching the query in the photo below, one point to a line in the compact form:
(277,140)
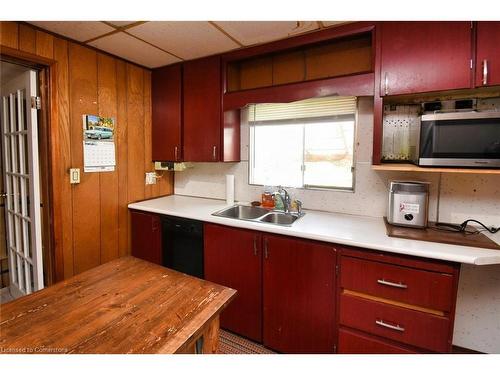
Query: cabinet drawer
(411,327)
(356,343)
(427,289)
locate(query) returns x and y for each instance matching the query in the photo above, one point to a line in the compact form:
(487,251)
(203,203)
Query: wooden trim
(394,303)
(355,85)
(45,87)
(25,56)
(403,167)
(378,105)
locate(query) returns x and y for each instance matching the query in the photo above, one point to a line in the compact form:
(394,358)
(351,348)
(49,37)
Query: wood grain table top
(124,306)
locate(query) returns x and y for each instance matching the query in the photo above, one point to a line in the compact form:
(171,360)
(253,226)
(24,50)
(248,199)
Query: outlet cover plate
(150,178)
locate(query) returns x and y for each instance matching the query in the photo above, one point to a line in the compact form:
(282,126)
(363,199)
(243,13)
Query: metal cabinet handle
(176,153)
(485,72)
(266,253)
(389,283)
(254,245)
(386,84)
(214,154)
(396,327)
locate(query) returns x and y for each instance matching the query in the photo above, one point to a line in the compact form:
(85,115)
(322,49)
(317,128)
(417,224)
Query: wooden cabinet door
(352,342)
(421,57)
(167,113)
(146,236)
(202,109)
(233,259)
(299,295)
(488,54)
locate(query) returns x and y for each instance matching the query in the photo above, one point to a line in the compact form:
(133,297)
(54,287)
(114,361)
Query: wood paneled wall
(90,219)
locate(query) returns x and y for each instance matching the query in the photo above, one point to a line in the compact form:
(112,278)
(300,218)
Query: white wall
(477,324)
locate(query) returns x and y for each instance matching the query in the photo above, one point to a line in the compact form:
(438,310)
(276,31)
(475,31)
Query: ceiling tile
(77,30)
(186,39)
(121,23)
(132,49)
(253,32)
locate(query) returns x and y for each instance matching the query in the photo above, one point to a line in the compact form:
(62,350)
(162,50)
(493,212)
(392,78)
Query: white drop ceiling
(158,43)
(77,30)
(255,32)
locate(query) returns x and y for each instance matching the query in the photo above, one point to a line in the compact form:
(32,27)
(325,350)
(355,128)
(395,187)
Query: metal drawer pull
(386,84)
(176,153)
(214,153)
(255,245)
(396,285)
(396,327)
(485,72)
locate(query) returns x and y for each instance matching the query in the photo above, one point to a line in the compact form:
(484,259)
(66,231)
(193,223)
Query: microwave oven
(456,139)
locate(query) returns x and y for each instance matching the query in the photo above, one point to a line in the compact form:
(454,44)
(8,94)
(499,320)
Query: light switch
(74,175)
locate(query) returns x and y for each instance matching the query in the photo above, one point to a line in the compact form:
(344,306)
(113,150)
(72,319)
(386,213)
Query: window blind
(328,106)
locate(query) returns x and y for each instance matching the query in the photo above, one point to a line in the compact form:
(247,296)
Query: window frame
(251,137)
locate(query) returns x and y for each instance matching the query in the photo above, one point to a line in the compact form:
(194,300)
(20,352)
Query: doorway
(21,248)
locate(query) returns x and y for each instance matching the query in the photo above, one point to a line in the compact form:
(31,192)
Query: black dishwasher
(182,241)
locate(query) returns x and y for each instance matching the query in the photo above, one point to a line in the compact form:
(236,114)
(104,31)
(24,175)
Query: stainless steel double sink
(259,214)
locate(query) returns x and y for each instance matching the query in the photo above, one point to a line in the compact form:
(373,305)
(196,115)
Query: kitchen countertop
(353,230)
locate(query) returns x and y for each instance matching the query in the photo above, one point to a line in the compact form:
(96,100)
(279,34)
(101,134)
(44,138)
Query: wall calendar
(98,144)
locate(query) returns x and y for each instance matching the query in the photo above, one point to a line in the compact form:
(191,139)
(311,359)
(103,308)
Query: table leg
(211,337)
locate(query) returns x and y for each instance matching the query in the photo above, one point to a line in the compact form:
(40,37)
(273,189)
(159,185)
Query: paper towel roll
(230,189)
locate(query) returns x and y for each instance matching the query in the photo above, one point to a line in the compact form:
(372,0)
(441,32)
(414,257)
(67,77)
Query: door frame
(47,136)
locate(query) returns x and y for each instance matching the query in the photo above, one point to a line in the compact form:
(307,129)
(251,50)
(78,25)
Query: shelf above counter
(406,167)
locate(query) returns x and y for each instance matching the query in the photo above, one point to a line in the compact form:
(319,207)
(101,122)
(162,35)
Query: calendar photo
(98,143)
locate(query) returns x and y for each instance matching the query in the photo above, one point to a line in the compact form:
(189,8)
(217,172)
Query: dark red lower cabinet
(351,342)
(299,295)
(146,236)
(233,259)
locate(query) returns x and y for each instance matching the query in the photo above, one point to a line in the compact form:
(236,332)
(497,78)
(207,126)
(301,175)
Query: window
(306,144)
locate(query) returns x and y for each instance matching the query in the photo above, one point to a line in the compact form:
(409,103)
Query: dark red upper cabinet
(202,109)
(233,259)
(299,295)
(146,236)
(418,57)
(167,113)
(488,54)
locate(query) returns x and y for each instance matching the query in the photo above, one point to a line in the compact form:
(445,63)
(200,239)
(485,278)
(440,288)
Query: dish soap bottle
(267,198)
(278,201)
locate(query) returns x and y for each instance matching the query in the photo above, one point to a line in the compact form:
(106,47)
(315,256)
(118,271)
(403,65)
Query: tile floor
(229,343)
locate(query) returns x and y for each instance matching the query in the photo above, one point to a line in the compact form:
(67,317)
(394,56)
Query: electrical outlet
(150,178)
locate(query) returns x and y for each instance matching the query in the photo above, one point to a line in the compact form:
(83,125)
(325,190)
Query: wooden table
(125,306)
